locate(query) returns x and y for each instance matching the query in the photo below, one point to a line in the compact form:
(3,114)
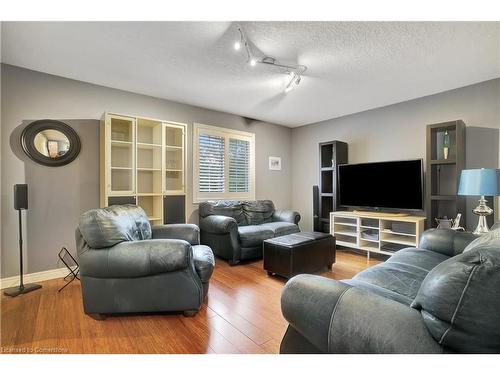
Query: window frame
(226,134)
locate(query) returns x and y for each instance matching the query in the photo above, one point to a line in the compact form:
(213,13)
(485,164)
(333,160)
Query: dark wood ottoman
(304,252)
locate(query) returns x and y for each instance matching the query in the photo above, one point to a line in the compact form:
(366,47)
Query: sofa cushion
(232,209)
(254,235)
(105,227)
(418,258)
(460,300)
(400,277)
(281,228)
(204,262)
(258,212)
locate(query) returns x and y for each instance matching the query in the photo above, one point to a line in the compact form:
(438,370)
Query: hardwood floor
(241,315)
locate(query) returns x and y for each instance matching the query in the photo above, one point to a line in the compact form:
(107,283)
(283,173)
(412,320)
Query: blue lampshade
(480,182)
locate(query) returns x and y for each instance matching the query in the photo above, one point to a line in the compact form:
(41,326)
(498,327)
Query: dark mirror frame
(28,137)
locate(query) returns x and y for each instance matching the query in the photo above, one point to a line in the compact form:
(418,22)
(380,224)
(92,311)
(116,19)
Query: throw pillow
(460,300)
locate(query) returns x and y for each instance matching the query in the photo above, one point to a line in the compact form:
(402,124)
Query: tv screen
(391,185)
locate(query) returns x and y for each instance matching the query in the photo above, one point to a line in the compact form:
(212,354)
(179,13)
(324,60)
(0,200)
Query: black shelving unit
(331,154)
(443,175)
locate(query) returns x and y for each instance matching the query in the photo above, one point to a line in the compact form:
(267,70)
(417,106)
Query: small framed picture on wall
(274,163)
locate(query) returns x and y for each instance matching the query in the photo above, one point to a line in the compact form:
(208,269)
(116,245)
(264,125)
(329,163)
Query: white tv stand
(348,228)
(379,214)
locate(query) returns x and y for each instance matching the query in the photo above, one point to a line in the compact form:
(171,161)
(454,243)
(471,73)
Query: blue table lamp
(480,182)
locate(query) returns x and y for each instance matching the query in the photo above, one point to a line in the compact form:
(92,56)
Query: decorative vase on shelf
(446,144)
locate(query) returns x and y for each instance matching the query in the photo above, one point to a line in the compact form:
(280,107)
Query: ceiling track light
(294,81)
(241,42)
(295,71)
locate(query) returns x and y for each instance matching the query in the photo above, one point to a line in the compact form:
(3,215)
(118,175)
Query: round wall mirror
(50,142)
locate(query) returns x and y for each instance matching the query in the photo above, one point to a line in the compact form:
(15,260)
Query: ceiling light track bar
(295,71)
(288,67)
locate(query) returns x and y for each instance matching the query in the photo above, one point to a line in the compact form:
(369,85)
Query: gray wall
(395,132)
(59,195)
(56,197)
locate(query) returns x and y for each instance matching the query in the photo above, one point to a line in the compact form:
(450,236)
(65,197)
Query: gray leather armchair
(128,266)
(235,230)
(440,298)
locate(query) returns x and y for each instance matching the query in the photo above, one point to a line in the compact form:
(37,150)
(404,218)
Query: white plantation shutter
(211,163)
(223,163)
(239,165)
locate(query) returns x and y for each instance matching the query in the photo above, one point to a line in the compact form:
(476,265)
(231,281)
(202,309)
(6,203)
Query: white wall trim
(36,277)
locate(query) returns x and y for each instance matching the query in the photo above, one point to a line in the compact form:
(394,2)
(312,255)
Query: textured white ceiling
(352,66)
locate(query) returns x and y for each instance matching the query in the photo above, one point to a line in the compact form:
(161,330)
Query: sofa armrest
(289,216)
(221,234)
(186,232)
(136,259)
(446,241)
(218,224)
(338,318)
(307,303)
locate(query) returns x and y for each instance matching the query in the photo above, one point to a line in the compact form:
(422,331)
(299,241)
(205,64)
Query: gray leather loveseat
(435,299)
(128,266)
(235,230)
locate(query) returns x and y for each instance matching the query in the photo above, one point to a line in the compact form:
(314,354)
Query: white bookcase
(348,228)
(142,162)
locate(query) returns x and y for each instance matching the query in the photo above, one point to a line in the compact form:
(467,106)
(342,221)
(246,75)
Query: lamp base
(482,226)
(482,210)
(17,290)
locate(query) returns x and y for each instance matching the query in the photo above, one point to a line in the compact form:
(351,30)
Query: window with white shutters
(223,163)
(211,163)
(239,165)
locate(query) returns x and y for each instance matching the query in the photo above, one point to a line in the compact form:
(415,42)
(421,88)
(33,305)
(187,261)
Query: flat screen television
(390,185)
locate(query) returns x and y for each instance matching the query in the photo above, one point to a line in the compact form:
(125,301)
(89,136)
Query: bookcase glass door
(122,155)
(174,159)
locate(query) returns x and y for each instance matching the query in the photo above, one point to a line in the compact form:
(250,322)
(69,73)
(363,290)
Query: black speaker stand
(21,289)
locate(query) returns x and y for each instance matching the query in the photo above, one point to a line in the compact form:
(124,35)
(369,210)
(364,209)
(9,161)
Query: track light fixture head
(253,62)
(241,41)
(294,81)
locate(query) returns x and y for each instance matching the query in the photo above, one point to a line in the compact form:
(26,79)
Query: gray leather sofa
(435,299)
(128,266)
(235,230)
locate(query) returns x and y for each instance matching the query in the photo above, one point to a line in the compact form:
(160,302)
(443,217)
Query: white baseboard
(36,277)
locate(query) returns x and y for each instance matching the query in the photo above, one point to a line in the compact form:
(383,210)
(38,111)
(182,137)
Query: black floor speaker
(316,219)
(21,196)
(20,204)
